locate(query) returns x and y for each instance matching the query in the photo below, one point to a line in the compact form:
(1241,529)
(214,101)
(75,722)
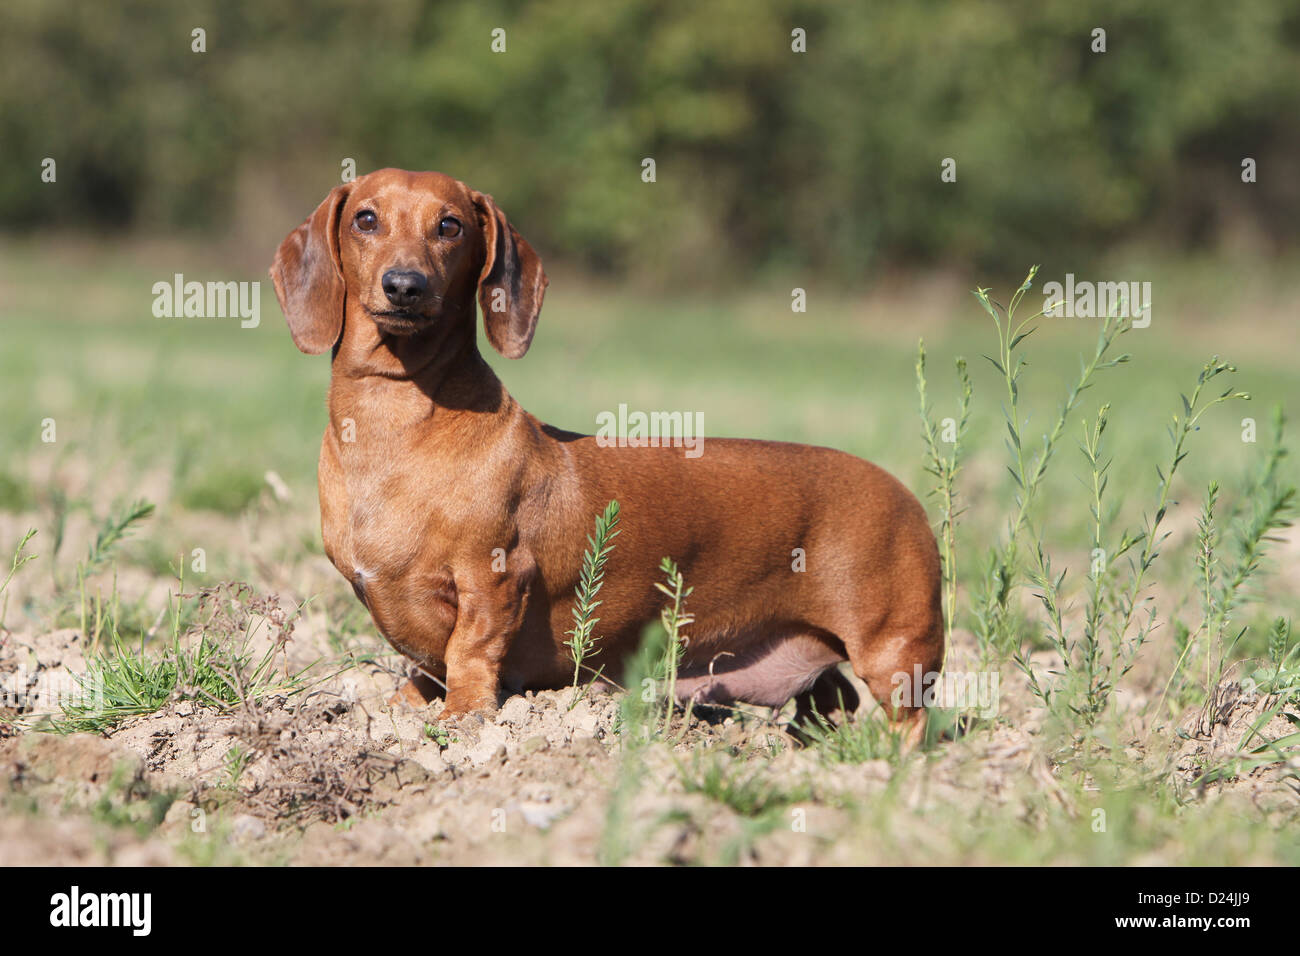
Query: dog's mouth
(400,321)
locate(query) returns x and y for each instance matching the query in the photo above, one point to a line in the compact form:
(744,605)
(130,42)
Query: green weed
(217,667)
(582,641)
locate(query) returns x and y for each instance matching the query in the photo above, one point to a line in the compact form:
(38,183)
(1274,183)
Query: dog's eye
(449,228)
(366,221)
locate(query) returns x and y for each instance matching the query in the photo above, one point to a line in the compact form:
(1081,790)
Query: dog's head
(408,251)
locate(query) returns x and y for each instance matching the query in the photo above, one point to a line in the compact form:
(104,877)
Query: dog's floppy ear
(308,277)
(512,283)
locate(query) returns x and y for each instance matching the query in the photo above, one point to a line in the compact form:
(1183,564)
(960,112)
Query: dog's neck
(439,369)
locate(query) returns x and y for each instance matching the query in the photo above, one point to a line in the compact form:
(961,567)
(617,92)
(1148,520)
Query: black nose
(404,287)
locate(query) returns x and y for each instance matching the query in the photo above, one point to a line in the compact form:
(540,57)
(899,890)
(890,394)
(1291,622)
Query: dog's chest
(377,527)
(385,543)
(389,517)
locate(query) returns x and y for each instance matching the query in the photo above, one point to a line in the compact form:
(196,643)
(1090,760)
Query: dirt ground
(335,775)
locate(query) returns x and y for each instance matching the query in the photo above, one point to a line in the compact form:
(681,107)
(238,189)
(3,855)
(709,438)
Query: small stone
(515,711)
(486,754)
(490,748)
(246,827)
(182,811)
(588,747)
(540,815)
(431,759)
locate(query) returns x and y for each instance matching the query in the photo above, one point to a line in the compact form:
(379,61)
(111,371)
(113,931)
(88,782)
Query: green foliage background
(827,160)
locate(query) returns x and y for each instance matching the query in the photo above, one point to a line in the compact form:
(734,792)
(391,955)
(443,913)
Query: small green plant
(853,741)
(1277,678)
(1083,682)
(944,468)
(1002,572)
(1099,646)
(1105,652)
(127,802)
(674,618)
(20,559)
(59,509)
(438,735)
(227,491)
(636,713)
(1095,674)
(736,782)
(1281,674)
(1222,582)
(217,669)
(582,641)
(1152,538)
(15,493)
(112,531)
(744,786)
(237,760)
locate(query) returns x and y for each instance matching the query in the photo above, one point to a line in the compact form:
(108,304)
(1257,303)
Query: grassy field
(219,427)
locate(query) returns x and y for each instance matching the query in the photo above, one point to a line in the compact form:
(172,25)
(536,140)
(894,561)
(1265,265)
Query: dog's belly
(767,673)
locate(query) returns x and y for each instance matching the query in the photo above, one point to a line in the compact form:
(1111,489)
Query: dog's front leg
(487,621)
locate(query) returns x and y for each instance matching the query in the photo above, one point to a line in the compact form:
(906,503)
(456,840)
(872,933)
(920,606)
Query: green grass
(207,400)
(215,667)
(225,490)
(854,741)
(15,495)
(124,802)
(746,788)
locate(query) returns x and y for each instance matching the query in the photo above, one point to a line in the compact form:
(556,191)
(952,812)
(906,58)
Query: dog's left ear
(512,283)
(308,276)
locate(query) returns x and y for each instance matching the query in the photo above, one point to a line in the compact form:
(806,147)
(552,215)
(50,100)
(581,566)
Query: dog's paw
(417,691)
(410,694)
(474,708)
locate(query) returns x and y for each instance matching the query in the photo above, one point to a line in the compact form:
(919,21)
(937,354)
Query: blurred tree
(828,159)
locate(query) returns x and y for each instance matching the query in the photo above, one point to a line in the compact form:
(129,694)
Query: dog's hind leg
(906,647)
(833,697)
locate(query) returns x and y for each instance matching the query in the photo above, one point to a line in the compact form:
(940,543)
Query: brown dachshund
(461,520)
